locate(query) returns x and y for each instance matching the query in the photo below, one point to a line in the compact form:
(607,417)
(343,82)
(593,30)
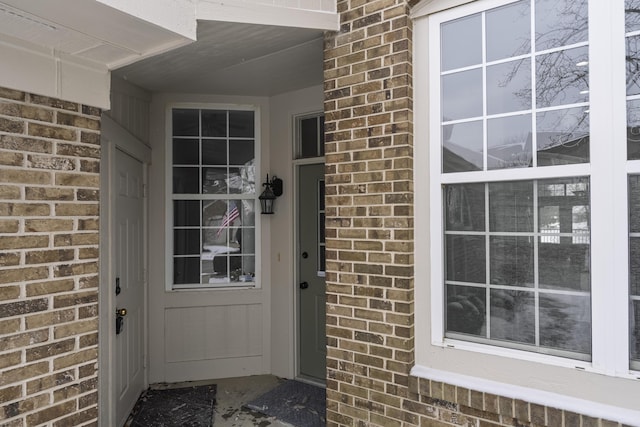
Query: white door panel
(129,271)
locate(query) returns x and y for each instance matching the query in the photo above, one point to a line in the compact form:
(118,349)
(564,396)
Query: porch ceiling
(235,59)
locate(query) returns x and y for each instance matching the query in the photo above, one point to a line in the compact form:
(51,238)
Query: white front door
(129,287)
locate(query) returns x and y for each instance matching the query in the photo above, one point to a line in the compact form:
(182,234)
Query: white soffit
(235,59)
(86,29)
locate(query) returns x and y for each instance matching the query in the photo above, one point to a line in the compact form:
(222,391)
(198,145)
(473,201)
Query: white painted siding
(208,333)
(214,332)
(130,108)
(282,257)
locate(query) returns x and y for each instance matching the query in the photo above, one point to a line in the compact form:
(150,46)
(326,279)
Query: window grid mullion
(534,104)
(487,251)
(485,129)
(536,272)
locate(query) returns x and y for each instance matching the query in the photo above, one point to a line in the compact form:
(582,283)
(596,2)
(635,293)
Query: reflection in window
(213,197)
(521,277)
(490,92)
(632,8)
(634,270)
(309,136)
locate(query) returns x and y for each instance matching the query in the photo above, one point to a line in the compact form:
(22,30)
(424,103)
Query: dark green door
(311,256)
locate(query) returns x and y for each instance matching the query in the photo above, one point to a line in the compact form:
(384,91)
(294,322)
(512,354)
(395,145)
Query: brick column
(49,180)
(369,187)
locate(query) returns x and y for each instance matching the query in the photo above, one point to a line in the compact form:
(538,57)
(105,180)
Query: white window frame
(169,227)
(603,387)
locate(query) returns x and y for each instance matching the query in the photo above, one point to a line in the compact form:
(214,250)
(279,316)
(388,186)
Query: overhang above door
(92,31)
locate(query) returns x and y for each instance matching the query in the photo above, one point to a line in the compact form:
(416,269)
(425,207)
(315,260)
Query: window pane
(248,212)
(186,270)
(186,180)
(633,65)
(321,228)
(464,207)
(564,265)
(186,213)
(560,23)
(241,152)
(214,181)
(321,137)
(247,241)
(186,242)
(564,223)
(462,95)
(235,181)
(509,86)
(241,124)
(461,42)
(186,122)
(186,152)
(633,129)
(465,259)
(514,20)
(562,77)
(462,147)
(309,137)
(511,206)
(214,151)
(214,123)
(634,266)
(466,312)
(513,316)
(632,15)
(323,259)
(321,194)
(511,261)
(634,344)
(563,137)
(634,204)
(565,322)
(509,142)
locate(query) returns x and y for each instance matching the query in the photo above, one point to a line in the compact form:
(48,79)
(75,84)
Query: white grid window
(632,27)
(213,197)
(522,163)
(516,253)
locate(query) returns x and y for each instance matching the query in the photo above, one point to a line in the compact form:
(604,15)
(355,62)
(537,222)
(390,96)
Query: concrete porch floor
(232,394)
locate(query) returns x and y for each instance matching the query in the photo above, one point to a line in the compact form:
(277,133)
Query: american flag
(232,214)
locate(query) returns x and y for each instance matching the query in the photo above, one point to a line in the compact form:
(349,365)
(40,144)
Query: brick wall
(49,179)
(370,300)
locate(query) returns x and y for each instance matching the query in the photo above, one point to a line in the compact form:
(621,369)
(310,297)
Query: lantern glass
(266,200)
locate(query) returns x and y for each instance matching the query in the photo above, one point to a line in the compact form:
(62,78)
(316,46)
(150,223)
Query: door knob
(304,285)
(121,312)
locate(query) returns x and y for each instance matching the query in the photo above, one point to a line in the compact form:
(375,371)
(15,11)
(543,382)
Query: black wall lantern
(272,189)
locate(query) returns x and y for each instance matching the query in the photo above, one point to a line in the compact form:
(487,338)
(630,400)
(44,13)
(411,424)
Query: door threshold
(311,380)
